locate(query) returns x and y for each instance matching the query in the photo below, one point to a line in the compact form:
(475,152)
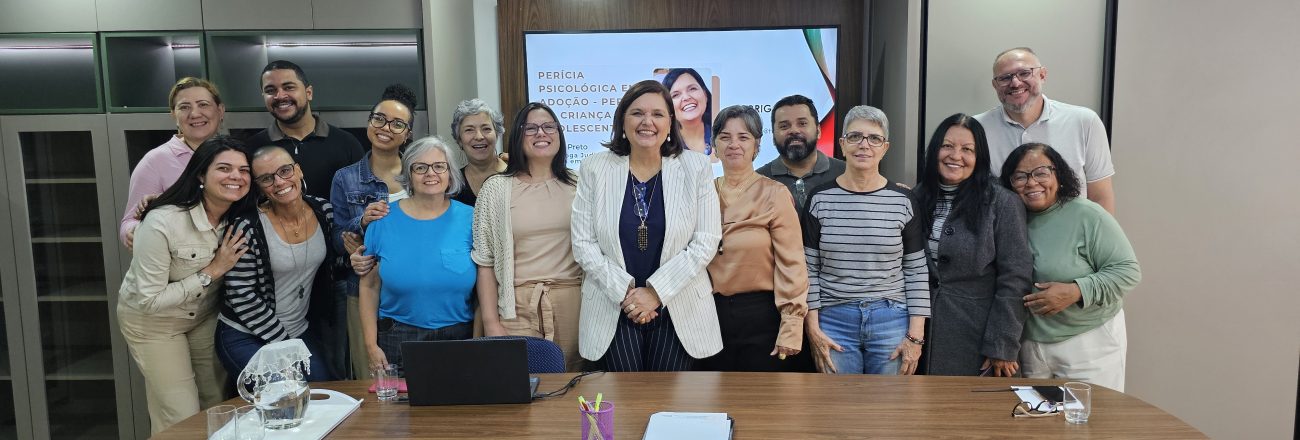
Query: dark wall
(514,17)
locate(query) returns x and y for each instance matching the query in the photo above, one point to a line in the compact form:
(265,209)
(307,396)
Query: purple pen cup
(604,421)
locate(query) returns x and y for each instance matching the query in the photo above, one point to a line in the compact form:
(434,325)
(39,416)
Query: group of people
(1002,261)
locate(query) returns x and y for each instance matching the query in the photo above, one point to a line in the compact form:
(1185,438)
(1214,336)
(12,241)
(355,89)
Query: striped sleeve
(916,274)
(243,283)
(812,252)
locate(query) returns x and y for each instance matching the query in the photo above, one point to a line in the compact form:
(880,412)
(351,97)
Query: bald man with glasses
(1025,115)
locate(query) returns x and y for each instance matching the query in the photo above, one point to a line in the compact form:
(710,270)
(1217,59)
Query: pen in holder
(602,417)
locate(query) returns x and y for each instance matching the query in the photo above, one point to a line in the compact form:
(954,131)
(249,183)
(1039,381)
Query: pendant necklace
(643,211)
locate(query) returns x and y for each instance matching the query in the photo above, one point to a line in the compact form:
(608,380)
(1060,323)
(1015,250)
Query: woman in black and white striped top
(289,266)
(868,296)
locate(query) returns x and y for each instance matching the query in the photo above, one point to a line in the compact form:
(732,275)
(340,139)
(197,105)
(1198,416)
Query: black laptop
(470,372)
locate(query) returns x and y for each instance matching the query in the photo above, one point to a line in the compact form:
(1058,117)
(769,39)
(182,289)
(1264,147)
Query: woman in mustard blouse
(760,281)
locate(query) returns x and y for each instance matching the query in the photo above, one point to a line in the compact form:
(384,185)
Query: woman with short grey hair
(422,280)
(760,282)
(868,290)
(476,129)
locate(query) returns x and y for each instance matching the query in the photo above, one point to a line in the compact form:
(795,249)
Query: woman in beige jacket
(167,306)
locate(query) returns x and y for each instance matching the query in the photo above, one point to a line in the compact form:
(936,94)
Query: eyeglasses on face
(1022,75)
(424,168)
(397,126)
(1041,174)
(856,138)
(548,128)
(284,172)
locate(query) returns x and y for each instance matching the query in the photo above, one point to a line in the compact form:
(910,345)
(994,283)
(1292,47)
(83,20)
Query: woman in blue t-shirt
(423,278)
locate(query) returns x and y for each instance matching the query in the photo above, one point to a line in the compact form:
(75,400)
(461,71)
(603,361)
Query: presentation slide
(583,75)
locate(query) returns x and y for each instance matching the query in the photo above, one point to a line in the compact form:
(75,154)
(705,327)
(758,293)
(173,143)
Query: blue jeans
(235,348)
(868,332)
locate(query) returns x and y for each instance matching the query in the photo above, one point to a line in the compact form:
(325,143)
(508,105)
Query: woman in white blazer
(646,298)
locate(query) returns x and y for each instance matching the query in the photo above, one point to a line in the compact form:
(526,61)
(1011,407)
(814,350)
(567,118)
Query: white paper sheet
(688,425)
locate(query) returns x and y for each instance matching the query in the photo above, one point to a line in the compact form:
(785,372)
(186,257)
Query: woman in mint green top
(1083,266)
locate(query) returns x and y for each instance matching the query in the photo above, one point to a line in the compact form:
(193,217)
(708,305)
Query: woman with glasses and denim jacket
(1083,267)
(289,268)
(421,282)
(361,192)
(980,263)
(528,282)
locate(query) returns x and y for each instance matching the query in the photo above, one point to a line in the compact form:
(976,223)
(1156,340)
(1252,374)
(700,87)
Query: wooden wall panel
(514,17)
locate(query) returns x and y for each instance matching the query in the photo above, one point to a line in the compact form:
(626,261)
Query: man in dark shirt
(320,150)
(317,147)
(795,131)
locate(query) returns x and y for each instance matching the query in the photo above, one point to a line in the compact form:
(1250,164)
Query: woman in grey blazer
(646,297)
(980,262)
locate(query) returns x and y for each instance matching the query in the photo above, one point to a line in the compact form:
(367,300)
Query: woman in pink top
(197,107)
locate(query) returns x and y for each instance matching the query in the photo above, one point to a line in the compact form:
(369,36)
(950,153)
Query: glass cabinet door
(13,385)
(65,244)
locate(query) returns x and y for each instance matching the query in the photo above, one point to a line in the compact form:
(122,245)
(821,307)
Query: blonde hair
(188,82)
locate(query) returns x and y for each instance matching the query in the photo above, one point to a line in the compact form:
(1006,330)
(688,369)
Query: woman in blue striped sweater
(270,290)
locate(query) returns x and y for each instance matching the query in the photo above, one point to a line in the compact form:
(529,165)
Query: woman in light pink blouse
(196,106)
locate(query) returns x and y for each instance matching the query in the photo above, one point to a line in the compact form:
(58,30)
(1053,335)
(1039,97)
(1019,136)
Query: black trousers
(652,346)
(750,323)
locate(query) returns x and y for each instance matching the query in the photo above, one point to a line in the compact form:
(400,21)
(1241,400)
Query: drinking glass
(1078,402)
(219,426)
(386,382)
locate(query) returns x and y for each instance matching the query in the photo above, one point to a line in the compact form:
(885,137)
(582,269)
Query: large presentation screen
(582,75)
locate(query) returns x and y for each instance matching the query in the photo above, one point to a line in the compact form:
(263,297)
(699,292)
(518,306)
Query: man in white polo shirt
(1027,116)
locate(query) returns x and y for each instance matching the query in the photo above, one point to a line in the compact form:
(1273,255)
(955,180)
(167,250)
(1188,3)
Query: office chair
(544,356)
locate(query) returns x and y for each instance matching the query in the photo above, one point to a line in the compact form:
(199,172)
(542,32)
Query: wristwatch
(204,279)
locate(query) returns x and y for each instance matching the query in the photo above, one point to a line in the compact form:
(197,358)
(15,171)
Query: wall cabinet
(49,73)
(149,15)
(140,68)
(348,70)
(47,16)
(175,15)
(63,281)
(257,14)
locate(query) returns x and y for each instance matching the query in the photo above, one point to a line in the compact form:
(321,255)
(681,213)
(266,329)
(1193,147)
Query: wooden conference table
(764,405)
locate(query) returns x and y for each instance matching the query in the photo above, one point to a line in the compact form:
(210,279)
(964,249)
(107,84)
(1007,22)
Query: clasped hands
(641,304)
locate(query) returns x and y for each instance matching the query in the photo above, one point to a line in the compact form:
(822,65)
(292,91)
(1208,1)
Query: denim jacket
(354,187)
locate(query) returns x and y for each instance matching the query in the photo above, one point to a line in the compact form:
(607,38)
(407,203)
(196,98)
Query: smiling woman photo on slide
(693,103)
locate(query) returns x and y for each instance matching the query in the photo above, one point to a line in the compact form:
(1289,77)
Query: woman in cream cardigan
(528,282)
(645,225)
